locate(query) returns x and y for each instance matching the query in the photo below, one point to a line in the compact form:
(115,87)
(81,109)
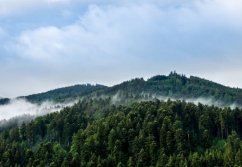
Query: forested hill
(66,93)
(153,133)
(61,94)
(177,87)
(173,86)
(4,101)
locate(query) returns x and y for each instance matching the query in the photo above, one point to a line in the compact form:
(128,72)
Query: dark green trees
(152,133)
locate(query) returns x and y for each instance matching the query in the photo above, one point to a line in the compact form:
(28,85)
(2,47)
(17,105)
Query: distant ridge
(104,131)
(65,93)
(4,101)
(176,86)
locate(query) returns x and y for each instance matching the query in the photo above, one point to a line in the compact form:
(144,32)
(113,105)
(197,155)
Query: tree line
(150,133)
(176,86)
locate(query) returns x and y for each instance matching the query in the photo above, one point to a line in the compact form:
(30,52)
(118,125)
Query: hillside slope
(61,94)
(64,94)
(173,86)
(177,87)
(152,133)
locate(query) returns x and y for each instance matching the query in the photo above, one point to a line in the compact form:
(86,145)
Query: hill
(110,126)
(64,94)
(61,94)
(175,86)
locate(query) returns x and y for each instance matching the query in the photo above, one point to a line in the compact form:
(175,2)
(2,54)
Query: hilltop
(175,86)
(109,126)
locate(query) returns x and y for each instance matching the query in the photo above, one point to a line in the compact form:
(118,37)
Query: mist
(119,99)
(18,111)
(204,101)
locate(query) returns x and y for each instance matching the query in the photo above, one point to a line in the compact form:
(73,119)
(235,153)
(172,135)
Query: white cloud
(133,30)
(40,44)
(100,32)
(129,39)
(221,12)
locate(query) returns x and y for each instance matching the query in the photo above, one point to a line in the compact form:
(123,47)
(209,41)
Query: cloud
(127,39)
(99,33)
(40,44)
(221,9)
(147,30)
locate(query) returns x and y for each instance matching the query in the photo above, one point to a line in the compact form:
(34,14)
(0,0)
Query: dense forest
(150,133)
(59,95)
(64,94)
(175,86)
(178,86)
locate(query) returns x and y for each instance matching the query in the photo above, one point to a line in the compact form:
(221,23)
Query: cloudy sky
(45,44)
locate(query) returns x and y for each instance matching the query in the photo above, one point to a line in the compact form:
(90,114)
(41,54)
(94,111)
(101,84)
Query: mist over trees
(178,86)
(151,133)
(60,95)
(175,86)
(129,125)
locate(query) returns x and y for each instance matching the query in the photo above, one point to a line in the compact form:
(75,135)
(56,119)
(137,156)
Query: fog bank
(21,110)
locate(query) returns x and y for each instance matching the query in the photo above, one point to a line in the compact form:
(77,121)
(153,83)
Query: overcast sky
(46,44)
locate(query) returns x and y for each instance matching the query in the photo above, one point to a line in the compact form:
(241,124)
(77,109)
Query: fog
(118,99)
(202,100)
(20,110)
(17,120)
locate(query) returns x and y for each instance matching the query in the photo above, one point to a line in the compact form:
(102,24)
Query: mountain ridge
(174,85)
(178,86)
(96,132)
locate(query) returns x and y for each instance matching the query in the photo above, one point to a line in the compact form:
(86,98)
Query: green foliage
(174,85)
(152,133)
(64,94)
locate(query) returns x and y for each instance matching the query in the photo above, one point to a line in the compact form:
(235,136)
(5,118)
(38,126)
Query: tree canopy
(151,133)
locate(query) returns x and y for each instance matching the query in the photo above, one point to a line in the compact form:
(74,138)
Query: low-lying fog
(20,110)
(205,101)
(117,98)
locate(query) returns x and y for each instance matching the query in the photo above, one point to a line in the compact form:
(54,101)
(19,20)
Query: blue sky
(45,44)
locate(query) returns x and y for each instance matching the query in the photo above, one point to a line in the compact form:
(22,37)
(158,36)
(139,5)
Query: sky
(46,44)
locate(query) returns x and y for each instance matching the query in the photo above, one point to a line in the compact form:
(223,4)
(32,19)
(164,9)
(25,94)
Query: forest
(178,86)
(153,133)
(175,86)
